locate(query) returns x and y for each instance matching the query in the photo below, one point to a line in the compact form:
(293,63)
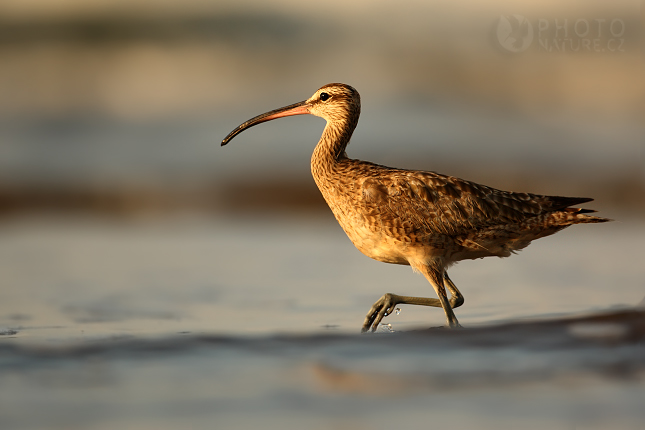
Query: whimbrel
(418,218)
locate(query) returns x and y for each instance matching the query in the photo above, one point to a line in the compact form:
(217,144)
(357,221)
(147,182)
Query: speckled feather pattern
(395,215)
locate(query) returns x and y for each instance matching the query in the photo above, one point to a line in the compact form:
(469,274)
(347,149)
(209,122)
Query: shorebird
(418,218)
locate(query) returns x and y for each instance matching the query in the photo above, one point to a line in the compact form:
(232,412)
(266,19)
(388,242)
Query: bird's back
(389,213)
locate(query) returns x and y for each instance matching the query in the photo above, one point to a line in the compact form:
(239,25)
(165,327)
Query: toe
(383,307)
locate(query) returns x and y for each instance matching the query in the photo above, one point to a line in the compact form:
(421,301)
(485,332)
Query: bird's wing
(421,202)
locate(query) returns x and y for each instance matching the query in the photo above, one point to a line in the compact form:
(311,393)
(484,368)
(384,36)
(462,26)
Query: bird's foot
(451,322)
(382,308)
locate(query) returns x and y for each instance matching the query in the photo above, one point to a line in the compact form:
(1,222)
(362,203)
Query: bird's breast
(377,241)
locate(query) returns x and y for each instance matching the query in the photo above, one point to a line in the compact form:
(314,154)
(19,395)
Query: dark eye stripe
(324,96)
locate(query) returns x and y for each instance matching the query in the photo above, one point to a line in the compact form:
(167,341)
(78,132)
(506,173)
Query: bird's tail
(573,215)
(579,215)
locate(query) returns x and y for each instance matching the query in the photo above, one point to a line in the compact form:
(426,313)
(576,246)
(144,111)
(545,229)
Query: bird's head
(333,102)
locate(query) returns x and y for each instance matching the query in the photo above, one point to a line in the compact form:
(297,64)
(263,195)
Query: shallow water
(534,375)
(84,278)
(244,322)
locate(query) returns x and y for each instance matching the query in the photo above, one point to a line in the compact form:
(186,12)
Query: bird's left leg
(386,305)
(388,302)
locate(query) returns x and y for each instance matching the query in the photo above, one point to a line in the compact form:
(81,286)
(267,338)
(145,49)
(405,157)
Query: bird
(423,219)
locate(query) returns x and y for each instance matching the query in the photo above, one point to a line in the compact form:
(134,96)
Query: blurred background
(118,107)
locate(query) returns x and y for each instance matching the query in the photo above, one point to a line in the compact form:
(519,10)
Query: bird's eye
(324,96)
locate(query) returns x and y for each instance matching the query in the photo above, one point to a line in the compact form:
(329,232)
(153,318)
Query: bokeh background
(119,106)
(122,218)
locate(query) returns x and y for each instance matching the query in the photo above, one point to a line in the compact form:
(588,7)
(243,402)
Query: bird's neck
(331,148)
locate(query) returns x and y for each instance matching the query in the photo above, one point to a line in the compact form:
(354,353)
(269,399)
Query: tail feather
(580,210)
(564,204)
(591,219)
(558,202)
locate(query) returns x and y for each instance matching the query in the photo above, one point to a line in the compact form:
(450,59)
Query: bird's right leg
(436,275)
(388,302)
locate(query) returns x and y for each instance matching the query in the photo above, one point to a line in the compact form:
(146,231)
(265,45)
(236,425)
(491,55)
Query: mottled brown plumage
(422,219)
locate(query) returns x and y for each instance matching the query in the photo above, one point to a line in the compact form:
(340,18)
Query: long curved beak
(294,109)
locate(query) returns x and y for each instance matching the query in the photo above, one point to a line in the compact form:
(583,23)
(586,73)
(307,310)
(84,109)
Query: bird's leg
(387,303)
(456,298)
(436,277)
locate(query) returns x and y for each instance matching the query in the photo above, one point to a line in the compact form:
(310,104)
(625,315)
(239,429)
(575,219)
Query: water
(469,380)
(244,322)
(92,277)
